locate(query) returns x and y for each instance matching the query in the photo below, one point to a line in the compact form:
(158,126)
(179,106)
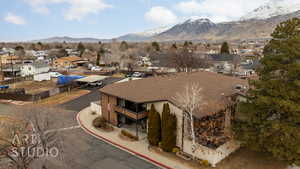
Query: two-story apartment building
(129,102)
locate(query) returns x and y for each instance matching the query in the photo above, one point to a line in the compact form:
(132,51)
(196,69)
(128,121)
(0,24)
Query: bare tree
(185,60)
(20,52)
(191,100)
(30,138)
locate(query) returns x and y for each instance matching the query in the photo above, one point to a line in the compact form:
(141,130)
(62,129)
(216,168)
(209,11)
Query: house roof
(71,58)
(223,57)
(38,64)
(8,68)
(252,66)
(215,88)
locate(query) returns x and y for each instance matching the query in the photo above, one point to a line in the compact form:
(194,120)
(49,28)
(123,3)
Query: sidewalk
(140,148)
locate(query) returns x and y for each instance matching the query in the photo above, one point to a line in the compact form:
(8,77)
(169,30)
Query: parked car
(138,74)
(95,84)
(90,66)
(96,68)
(55,74)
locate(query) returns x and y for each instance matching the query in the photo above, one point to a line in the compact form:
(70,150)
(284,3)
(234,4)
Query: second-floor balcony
(129,113)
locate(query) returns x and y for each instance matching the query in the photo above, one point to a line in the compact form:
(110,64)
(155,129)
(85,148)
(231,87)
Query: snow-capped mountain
(191,26)
(198,20)
(142,36)
(273,8)
(194,25)
(153,32)
(204,30)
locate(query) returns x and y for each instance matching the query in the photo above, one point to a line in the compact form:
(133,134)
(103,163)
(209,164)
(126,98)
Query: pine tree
(168,129)
(164,126)
(273,109)
(174,46)
(123,46)
(156,46)
(154,127)
(98,59)
(173,129)
(100,54)
(81,48)
(225,48)
(187,44)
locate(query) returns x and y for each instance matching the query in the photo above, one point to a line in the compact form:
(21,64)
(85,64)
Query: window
(121,102)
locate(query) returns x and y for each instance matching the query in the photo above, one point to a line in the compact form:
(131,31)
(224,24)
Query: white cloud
(80,9)
(40,6)
(161,16)
(189,6)
(77,9)
(12,18)
(219,10)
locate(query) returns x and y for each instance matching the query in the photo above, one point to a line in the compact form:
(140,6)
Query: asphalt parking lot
(81,150)
(85,100)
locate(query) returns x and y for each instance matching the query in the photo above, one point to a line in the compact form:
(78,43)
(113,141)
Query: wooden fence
(36,97)
(16,79)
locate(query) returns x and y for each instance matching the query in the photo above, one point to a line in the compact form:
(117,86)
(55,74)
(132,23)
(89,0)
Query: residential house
(34,68)
(9,50)
(40,55)
(73,52)
(11,70)
(224,63)
(248,68)
(68,62)
(126,104)
(7,58)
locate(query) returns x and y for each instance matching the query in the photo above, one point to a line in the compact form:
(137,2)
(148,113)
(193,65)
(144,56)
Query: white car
(96,68)
(137,74)
(55,74)
(95,84)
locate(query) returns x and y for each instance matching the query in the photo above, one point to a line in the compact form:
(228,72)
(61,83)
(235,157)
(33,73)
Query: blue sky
(22,20)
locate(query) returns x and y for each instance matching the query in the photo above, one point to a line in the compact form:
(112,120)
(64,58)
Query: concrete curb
(120,146)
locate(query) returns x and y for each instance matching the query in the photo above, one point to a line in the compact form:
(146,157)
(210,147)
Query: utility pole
(1,67)
(12,66)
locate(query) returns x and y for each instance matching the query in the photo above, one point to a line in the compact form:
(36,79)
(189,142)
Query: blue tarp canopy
(4,86)
(62,80)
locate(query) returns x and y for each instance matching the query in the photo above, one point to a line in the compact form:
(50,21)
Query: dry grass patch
(34,87)
(241,159)
(63,97)
(119,75)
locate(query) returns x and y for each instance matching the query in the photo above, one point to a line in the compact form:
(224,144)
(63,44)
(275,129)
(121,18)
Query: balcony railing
(131,114)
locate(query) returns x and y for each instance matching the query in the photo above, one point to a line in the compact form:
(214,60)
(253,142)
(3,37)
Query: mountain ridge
(258,24)
(271,9)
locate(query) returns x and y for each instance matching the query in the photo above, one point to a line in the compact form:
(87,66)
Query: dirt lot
(241,159)
(63,97)
(33,87)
